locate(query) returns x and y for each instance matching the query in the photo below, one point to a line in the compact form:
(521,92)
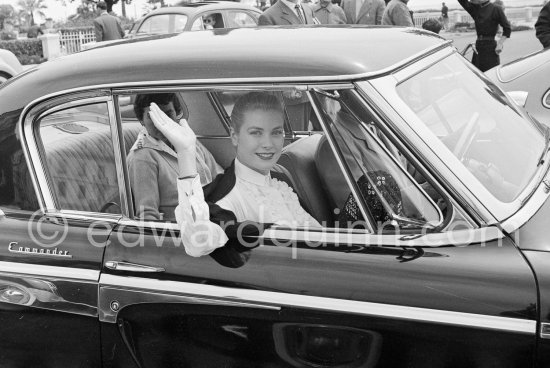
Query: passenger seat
(298,158)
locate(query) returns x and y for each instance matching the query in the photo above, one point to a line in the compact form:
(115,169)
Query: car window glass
(79,159)
(383,177)
(152,164)
(212,20)
(158,24)
(477,124)
(180,20)
(197,25)
(16,188)
(239,18)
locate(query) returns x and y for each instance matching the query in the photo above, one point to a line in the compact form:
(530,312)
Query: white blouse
(255,197)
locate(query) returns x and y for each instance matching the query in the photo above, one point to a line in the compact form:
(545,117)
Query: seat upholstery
(298,158)
(82,169)
(331,177)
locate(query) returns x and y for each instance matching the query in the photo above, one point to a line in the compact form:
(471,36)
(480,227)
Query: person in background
(397,13)
(8,32)
(107,27)
(152,162)
(542,26)
(287,12)
(209,21)
(487,18)
(328,13)
(432,25)
(364,11)
(444,17)
(34,31)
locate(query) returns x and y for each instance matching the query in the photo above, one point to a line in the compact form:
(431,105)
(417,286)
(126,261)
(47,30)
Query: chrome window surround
(344,236)
(143,288)
(421,153)
(546,99)
(471,192)
(33,150)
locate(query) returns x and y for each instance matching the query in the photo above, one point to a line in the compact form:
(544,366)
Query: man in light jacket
(397,13)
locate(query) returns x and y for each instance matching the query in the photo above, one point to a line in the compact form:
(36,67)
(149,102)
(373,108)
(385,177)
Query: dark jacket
(542,26)
(280,14)
(233,254)
(107,27)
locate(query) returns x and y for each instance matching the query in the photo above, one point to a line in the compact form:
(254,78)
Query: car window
(477,123)
(386,182)
(152,164)
(212,20)
(197,25)
(180,20)
(16,187)
(158,24)
(239,18)
(79,159)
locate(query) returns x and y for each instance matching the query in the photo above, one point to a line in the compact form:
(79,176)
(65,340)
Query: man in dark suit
(364,11)
(287,12)
(107,27)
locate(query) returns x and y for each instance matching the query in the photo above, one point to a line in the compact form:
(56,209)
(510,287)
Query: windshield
(476,122)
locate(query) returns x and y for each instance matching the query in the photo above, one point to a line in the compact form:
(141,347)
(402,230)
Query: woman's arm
(200,236)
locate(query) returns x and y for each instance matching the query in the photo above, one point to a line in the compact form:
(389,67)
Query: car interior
(81,164)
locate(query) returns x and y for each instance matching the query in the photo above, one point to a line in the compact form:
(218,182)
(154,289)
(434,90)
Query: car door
(54,229)
(461,295)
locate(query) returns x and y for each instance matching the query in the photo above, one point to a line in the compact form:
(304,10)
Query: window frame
(29,130)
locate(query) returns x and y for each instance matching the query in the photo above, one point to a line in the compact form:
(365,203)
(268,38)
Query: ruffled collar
(247,174)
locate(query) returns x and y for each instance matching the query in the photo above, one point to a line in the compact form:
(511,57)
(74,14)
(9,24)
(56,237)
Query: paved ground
(520,43)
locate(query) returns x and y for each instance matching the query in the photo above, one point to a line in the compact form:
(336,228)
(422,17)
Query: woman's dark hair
(253,101)
(433,25)
(143,101)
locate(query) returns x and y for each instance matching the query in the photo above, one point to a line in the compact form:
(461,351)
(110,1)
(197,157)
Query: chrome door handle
(132,267)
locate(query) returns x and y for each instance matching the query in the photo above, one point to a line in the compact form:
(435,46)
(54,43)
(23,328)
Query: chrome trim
(31,270)
(132,267)
(545,330)
(118,147)
(427,62)
(537,200)
(228,296)
(420,151)
(128,295)
(546,99)
(340,160)
(40,251)
(32,154)
(2,214)
(457,238)
(43,287)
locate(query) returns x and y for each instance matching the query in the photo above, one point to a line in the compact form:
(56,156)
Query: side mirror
(519,97)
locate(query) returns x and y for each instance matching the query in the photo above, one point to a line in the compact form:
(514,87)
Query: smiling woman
(248,190)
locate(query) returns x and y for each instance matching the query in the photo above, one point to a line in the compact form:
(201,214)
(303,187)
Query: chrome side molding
(132,267)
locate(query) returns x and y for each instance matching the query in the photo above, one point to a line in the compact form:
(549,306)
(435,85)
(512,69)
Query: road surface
(520,43)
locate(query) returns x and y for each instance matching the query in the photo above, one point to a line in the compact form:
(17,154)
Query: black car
(445,267)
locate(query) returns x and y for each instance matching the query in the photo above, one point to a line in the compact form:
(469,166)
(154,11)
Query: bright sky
(59,9)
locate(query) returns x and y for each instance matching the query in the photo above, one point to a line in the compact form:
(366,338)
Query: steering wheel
(465,140)
(108,205)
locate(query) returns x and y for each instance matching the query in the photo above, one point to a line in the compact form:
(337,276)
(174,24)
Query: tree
(32,7)
(6,12)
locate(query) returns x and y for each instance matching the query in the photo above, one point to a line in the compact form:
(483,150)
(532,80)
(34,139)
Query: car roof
(242,54)
(192,8)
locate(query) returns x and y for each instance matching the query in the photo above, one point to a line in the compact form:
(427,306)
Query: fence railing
(71,40)
(514,15)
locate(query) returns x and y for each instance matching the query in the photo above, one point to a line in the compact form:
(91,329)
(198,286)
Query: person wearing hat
(107,27)
(487,18)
